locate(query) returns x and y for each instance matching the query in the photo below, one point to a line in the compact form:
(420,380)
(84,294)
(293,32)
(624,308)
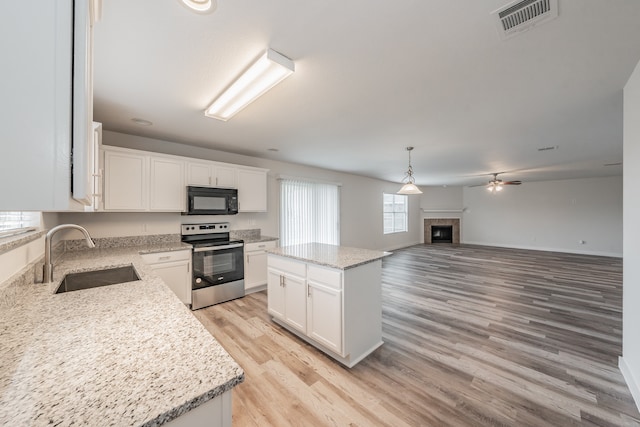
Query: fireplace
(441,234)
(442,230)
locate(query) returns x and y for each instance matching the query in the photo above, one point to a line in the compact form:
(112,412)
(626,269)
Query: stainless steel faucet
(47,275)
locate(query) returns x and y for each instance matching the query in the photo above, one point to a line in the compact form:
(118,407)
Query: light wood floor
(473,336)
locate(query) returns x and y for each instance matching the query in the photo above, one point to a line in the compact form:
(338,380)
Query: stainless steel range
(218,264)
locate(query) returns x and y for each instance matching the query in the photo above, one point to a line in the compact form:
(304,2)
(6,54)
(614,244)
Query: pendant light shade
(410,186)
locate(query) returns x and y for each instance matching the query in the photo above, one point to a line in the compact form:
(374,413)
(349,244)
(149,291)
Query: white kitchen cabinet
(255,265)
(252,190)
(324,307)
(46,104)
(166,181)
(287,287)
(126,181)
(174,268)
(342,308)
(211,174)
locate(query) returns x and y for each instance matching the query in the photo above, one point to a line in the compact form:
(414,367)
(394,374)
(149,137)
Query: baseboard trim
(634,386)
(545,249)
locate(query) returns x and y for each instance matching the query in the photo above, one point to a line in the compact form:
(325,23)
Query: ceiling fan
(496,184)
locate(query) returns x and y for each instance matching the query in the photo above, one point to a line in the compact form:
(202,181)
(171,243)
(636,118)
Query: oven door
(216,265)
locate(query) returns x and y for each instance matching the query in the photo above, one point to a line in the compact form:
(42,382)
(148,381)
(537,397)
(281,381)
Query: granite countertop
(259,239)
(128,354)
(341,257)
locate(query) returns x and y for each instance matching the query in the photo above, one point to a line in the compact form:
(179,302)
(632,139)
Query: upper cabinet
(46,104)
(139,181)
(211,174)
(252,190)
(142,181)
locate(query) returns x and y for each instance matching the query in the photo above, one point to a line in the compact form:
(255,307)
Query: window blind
(309,212)
(18,222)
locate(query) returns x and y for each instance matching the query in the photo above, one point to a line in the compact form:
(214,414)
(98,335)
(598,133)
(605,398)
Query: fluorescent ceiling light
(261,76)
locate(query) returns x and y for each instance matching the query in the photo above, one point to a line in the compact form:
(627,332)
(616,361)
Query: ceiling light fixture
(410,187)
(494,187)
(141,122)
(269,70)
(200,6)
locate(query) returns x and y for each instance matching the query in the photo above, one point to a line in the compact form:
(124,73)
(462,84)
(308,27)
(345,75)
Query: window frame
(393,212)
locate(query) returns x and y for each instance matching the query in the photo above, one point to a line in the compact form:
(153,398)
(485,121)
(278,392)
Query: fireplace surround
(453,222)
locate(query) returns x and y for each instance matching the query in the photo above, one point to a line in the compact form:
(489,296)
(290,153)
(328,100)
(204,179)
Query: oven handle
(218,248)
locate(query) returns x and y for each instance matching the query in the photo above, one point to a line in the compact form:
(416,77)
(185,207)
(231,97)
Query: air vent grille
(522,15)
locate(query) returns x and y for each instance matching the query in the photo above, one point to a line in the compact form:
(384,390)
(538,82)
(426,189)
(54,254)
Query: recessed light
(200,6)
(141,122)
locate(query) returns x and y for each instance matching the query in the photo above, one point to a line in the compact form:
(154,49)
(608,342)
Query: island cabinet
(337,310)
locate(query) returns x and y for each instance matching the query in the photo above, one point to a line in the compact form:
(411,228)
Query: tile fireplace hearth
(431,222)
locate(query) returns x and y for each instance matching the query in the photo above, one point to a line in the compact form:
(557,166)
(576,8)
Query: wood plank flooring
(474,336)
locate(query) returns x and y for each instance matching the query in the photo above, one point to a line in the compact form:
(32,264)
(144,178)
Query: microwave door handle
(218,248)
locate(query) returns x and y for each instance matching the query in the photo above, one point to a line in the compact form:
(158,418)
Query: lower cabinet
(213,413)
(174,268)
(255,265)
(338,311)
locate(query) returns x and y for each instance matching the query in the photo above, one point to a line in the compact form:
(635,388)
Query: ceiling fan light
(409,188)
(200,6)
(499,188)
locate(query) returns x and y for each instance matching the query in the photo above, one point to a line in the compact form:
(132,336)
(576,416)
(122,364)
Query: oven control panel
(208,228)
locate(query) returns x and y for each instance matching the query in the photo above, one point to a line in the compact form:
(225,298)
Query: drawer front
(287,265)
(327,276)
(170,256)
(259,246)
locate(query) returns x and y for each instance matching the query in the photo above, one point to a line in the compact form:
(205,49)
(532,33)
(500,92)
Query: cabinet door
(225,176)
(167,185)
(252,191)
(199,174)
(325,316)
(176,275)
(125,185)
(295,304)
(255,269)
(275,294)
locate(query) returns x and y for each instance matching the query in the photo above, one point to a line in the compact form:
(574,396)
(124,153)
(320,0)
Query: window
(18,222)
(395,213)
(309,212)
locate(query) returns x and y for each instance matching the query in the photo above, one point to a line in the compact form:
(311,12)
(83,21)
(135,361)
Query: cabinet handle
(164,258)
(282,281)
(309,291)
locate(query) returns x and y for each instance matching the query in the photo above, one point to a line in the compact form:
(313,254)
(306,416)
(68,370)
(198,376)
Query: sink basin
(97,278)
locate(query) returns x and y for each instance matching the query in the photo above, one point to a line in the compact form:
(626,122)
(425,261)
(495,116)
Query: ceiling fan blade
(512,183)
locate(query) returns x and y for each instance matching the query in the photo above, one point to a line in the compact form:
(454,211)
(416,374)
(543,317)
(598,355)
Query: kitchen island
(128,354)
(328,295)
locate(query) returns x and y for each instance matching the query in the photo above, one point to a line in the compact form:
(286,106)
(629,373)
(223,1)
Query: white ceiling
(373,77)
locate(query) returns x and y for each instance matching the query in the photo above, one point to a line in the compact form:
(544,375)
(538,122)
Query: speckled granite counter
(251,236)
(127,354)
(341,257)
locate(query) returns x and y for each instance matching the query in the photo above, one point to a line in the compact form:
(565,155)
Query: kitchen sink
(97,278)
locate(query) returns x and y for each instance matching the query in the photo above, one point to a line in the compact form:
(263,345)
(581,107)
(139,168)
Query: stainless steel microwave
(211,201)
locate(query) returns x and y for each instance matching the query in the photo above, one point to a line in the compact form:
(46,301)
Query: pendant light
(410,186)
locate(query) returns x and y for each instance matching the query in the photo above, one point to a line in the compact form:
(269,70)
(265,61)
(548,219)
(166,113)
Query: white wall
(550,215)
(361,201)
(630,360)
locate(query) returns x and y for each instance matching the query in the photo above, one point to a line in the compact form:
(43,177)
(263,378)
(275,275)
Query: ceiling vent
(522,15)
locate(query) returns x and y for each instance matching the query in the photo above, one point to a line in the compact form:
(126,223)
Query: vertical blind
(309,212)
